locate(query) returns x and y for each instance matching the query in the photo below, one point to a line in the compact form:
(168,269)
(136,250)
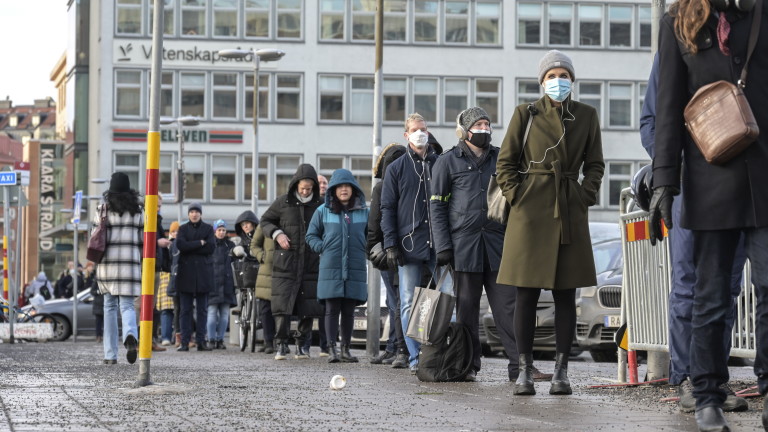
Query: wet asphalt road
(64,387)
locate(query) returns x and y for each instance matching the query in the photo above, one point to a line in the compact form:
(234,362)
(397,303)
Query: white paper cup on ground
(338,382)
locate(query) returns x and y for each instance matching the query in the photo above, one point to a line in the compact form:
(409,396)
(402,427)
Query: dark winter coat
(245,239)
(98,298)
(405,207)
(263,249)
(294,271)
(547,242)
(195,270)
(339,238)
(175,254)
(390,154)
(223,283)
(733,195)
(162,255)
(460,210)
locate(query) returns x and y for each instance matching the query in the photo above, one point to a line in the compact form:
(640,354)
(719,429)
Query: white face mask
(418,139)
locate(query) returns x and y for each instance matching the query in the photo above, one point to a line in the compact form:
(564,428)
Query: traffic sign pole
(75,285)
(6,290)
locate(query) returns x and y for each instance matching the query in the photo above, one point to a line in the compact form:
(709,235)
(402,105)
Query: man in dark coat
(295,266)
(720,202)
(465,238)
(396,353)
(196,243)
(405,219)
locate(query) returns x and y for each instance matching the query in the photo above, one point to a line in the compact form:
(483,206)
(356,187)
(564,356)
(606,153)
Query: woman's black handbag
(97,244)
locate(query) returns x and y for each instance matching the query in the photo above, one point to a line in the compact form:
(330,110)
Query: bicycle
(244,273)
(23,316)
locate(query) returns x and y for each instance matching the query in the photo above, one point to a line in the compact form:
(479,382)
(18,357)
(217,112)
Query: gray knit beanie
(470,116)
(555,59)
(195,206)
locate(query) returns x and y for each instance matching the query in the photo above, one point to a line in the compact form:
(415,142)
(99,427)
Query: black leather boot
(524,383)
(346,356)
(333,354)
(560,383)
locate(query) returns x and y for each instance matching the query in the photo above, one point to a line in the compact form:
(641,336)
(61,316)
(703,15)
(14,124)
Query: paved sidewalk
(64,386)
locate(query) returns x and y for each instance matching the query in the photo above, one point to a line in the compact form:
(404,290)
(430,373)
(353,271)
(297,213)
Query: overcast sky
(34,36)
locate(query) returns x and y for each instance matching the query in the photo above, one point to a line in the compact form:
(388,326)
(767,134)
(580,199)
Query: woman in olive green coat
(263,249)
(547,243)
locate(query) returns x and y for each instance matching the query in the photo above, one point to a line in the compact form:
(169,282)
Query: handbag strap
(753,32)
(441,279)
(531,110)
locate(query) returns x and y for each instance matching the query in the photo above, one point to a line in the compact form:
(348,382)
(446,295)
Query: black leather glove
(445,257)
(378,257)
(394,258)
(661,209)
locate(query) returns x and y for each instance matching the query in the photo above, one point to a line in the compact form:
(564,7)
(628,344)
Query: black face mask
(481,140)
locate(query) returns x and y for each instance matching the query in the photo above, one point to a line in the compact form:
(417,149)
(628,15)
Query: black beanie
(119,183)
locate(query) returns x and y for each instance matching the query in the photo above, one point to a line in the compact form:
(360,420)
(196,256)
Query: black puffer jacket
(294,271)
(223,284)
(390,154)
(245,239)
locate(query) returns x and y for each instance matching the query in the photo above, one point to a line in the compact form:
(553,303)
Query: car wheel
(603,356)
(63,328)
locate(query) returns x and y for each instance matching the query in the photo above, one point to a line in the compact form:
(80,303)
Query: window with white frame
(619,177)
(591,93)
(395,20)
(326,165)
(193,17)
(169,14)
(223,177)
(590,25)
(332,19)
(487,23)
(620,105)
(645,27)
(529,23)
(166,95)
(528,91)
(361,100)
(560,19)
(257,19)
(263,96)
(425,13)
(394,91)
(487,92)
(194,177)
(425,94)
(620,26)
(289,14)
(360,166)
(130,164)
(165,177)
(456,22)
(225,20)
(331,97)
(285,168)
(192,87)
(363,17)
(224,95)
(288,97)
(128,17)
(128,93)
(455,99)
(263,187)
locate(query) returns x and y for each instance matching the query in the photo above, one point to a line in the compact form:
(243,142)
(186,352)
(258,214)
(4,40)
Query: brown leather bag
(97,244)
(718,116)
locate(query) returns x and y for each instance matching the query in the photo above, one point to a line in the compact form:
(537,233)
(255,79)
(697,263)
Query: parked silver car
(61,309)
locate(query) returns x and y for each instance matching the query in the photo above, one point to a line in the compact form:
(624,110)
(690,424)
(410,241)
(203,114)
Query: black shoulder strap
(753,32)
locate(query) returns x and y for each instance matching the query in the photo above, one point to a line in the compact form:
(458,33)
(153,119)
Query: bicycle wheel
(42,318)
(245,318)
(254,320)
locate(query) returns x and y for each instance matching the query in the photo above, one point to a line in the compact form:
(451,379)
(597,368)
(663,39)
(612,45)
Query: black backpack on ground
(449,360)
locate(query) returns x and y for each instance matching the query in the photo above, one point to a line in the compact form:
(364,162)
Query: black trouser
(333,308)
(501,298)
(176,313)
(525,318)
(201,307)
(283,326)
(267,321)
(396,341)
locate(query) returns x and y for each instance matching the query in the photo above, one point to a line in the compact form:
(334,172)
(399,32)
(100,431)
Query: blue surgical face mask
(557,89)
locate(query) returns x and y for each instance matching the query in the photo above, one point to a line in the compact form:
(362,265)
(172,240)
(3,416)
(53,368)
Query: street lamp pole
(258,56)
(180,121)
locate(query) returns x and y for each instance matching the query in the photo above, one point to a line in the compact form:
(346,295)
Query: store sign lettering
(47,195)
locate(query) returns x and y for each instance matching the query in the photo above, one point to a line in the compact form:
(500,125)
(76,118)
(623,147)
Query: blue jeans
(410,277)
(681,296)
(714,252)
(166,324)
(218,319)
(110,322)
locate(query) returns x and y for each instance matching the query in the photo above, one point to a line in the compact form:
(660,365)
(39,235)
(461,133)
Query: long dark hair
(121,202)
(336,205)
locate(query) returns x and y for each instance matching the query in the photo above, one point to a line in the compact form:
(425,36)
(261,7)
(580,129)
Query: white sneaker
(165,342)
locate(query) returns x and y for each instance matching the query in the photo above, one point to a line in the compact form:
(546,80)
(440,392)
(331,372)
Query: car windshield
(602,231)
(607,256)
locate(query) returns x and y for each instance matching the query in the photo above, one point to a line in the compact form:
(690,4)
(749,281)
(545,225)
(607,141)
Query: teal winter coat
(339,238)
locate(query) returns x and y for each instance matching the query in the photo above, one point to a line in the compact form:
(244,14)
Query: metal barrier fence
(647,284)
